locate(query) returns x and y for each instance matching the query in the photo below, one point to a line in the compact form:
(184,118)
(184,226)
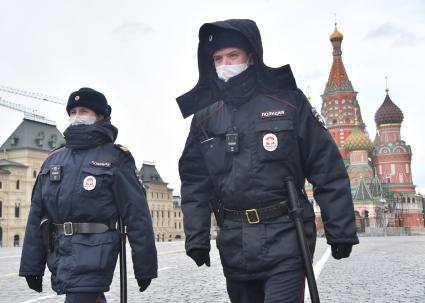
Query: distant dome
(336,35)
(358,140)
(388,112)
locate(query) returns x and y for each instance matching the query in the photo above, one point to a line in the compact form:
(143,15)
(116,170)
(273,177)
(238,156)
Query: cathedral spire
(338,78)
(386,85)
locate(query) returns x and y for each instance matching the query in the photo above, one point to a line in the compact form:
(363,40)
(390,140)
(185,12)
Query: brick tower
(339,99)
(392,155)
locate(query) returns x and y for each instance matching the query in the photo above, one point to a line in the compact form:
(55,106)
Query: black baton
(123,262)
(296,213)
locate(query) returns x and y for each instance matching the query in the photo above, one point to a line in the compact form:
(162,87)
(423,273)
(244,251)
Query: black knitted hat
(223,38)
(90,98)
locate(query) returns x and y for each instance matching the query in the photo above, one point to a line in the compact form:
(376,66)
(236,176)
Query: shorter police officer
(80,192)
(253,129)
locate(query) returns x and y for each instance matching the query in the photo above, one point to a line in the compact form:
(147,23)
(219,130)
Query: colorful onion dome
(358,140)
(336,35)
(388,113)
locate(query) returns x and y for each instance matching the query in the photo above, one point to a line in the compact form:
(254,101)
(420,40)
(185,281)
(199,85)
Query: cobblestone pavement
(390,269)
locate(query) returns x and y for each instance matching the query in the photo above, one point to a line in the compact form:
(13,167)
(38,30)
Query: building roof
(148,173)
(362,193)
(4,171)
(376,189)
(34,135)
(388,113)
(6,163)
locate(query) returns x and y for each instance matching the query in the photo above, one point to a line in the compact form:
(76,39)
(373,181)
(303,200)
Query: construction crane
(29,113)
(38,96)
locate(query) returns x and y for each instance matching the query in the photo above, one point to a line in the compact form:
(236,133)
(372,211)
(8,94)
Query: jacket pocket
(94,253)
(230,246)
(93,180)
(217,160)
(281,240)
(275,139)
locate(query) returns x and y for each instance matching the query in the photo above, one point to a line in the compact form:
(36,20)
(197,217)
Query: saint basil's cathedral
(380,171)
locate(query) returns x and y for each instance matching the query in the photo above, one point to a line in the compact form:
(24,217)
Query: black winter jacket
(86,262)
(280,135)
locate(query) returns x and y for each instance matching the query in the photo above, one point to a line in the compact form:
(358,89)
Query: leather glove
(341,250)
(200,256)
(35,283)
(143,284)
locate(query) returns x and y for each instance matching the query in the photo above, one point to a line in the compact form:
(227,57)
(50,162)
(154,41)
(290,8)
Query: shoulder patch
(122,148)
(319,118)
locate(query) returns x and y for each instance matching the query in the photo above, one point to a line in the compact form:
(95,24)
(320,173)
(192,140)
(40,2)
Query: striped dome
(388,113)
(358,140)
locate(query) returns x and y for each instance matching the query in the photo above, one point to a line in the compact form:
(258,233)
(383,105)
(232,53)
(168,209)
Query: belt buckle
(68,230)
(248,213)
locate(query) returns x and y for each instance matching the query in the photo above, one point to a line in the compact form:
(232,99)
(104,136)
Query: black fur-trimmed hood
(205,91)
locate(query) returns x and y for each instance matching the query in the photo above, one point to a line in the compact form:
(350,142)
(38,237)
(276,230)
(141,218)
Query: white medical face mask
(225,72)
(80,119)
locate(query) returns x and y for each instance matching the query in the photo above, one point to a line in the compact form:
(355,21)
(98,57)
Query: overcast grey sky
(142,55)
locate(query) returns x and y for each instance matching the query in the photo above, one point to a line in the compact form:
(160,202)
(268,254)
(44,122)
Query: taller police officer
(252,128)
(81,190)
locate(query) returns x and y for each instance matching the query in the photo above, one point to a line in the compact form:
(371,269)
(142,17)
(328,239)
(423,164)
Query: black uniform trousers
(85,298)
(284,287)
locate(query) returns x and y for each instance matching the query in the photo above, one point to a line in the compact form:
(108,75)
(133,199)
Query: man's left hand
(341,250)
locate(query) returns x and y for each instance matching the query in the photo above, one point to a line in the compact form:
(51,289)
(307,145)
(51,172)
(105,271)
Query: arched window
(16,240)
(34,174)
(16,210)
(18,184)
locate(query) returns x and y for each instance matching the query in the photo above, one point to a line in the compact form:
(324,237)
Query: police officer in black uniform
(252,128)
(80,192)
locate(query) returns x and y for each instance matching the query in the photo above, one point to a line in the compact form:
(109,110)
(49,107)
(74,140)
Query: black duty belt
(255,215)
(69,228)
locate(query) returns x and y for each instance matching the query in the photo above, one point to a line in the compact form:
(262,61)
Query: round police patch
(270,142)
(89,183)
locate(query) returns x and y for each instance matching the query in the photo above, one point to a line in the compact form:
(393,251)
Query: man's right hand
(35,283)
(200,256)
